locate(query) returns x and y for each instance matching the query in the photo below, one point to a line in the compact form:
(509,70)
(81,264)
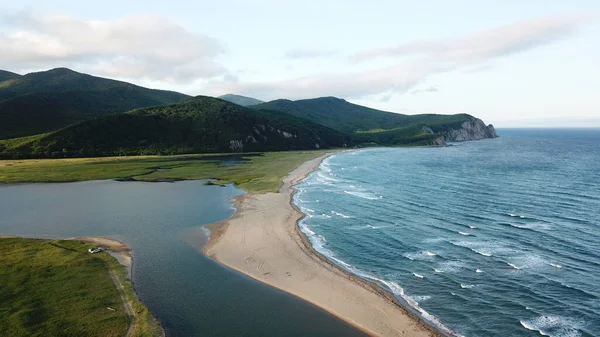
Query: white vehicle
(95,250)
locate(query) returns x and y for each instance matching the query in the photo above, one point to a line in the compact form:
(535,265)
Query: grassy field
(260,172)
(56,288)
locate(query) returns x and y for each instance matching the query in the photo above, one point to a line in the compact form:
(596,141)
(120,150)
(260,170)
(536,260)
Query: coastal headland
(262,240)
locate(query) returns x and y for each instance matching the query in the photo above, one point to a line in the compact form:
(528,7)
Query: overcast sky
(509,62)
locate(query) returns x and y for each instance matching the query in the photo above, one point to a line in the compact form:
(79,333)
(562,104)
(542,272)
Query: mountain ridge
(382,126)
(62,113)
(241,100)
(64,79)
(49,100)
(198,125)
(7,75)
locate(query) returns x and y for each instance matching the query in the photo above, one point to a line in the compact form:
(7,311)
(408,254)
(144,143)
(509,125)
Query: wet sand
(262,240)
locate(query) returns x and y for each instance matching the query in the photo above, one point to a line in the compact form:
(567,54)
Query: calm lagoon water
(191,294)
(492,238)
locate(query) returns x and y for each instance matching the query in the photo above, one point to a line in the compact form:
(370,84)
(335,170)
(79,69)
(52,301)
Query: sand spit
(262,240)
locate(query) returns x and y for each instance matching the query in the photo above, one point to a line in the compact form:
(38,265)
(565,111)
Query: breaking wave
(419,255)
(448,235)
(554,325)
(364,195)
(341,215)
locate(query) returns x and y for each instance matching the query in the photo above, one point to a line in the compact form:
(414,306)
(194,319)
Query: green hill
(341,115)
(63,113)
(381,127)
(198,125)
(7,75)
(63,80)
(241,100)
(46,101)
(47,111)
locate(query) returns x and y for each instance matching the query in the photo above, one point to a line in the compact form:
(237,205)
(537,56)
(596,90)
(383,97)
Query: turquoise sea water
(191,294)
(492,238)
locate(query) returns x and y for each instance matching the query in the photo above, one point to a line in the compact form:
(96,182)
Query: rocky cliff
(473,129)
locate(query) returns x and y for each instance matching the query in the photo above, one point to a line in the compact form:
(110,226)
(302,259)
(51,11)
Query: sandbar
(263,241)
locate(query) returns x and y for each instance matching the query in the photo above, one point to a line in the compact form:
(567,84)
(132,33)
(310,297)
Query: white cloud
(483,45)
(396,79)
(137,47)
(310,53)
(427,58)
(153,49)
(429,89)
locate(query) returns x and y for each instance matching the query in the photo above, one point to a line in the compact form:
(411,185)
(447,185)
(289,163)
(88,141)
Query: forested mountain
(46,101)
(201,124)
(7,75)
(382,127)
(241,100)
(63,113)
(347,117)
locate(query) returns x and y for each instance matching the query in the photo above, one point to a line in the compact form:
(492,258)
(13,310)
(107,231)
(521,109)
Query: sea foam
(396,289)
(341,215)
(553,325)
(421,298)
(364,195)
(422,255)
(513,266)
(449,267)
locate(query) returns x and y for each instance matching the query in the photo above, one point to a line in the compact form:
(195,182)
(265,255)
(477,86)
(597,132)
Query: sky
(513,63)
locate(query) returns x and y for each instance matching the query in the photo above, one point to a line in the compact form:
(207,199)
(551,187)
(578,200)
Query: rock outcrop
(473,129)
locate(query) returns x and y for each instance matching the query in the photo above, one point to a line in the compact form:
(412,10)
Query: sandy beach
(262,240)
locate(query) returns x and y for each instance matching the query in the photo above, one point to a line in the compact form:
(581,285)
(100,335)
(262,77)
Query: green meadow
(56,288)
(254,172)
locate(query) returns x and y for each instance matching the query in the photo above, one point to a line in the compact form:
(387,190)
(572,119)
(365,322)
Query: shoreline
(121,251)
(117,249)
(263,239)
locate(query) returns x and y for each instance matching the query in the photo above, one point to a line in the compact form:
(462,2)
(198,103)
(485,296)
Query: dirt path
(126,305)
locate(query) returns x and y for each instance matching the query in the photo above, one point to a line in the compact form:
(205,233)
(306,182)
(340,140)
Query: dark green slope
(63,80)
(241,100)
(7,75)
(201,124)
(350,118)
(50,100)
(47,111)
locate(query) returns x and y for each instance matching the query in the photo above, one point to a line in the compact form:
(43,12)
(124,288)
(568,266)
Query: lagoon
(191,294)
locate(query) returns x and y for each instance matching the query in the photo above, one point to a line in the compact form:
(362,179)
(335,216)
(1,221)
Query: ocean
(499,237)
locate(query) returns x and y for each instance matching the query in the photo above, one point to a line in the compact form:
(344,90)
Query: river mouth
(162,223)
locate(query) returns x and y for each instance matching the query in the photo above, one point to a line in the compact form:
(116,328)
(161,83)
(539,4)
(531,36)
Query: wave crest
(422,255)
(553,325)
(364,195)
